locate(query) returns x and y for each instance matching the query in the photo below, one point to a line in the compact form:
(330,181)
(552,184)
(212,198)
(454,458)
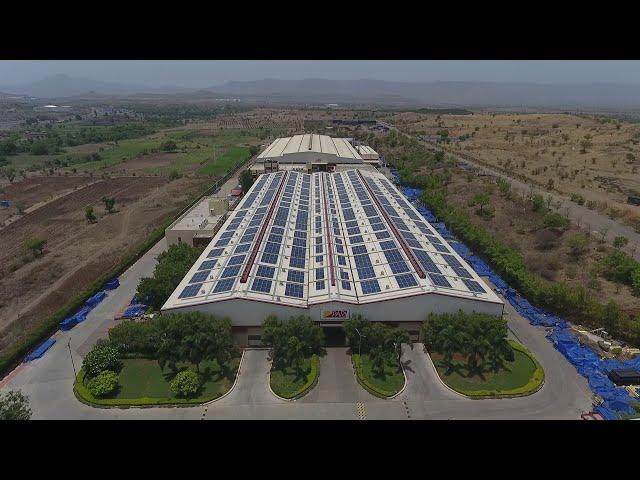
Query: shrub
(620,242)
(185,384)
(14,405)
(537,203)
(577,198)
(103,384)
(174,174)
(578,245)
(102,357)
(555,221)
(169,146)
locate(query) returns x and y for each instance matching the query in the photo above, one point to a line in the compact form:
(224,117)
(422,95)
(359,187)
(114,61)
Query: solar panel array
(346,235)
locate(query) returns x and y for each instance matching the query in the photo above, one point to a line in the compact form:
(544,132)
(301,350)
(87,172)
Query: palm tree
(477,348)
(449,342)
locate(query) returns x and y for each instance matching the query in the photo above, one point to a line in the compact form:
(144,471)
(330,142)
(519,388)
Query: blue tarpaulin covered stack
(135,309)
(616,400)
(81,315)
(40,351)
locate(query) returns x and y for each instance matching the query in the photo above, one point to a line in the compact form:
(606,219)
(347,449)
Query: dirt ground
(546,252)
(36,189)
(544,147)
(77,253)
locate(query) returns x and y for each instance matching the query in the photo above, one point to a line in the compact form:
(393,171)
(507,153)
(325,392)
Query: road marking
(361,411)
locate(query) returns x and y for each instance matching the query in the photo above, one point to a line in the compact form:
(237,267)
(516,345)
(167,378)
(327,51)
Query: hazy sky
(208,73)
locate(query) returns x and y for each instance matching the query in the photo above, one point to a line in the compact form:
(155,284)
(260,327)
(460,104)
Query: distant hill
(66,86)
(443,94)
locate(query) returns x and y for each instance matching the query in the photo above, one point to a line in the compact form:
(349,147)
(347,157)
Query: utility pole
(72,363)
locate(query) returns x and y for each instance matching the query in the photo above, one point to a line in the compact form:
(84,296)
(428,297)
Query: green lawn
(521,377)
(387,384)
(143,382)
(289,384)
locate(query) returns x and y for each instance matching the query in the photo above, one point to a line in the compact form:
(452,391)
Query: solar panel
(190,291)
(222,242)
(366,272)
(399,267)
(370,286)
(271,247)
(346,285)
(261,285)
(224,285)
(294,290)
(319,273)
(227,234)
(295,276)
(238,259)
(451,260)
(230,271)
(207,265)
(359,249)
(462,272)
(439,280)
(242,248)
(200,276)
(264,271)
(271,258)
(341,260)
(215,253)
(297,262)
(320,285)
(473,285)
(387,245)
(405,281)
(393,256)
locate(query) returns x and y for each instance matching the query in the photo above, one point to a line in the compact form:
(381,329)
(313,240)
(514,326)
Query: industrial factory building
(328,245)
(311,153)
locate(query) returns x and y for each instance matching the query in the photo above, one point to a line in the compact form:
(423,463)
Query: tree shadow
(407,366)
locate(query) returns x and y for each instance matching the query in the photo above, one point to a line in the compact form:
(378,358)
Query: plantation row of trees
(381,342)
(479,338)
(571,301)
(173,265)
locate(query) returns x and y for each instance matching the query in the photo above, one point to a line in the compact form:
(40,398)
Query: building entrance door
(334,336)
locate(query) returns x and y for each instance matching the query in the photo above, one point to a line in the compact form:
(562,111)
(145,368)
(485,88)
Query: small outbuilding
(625,376)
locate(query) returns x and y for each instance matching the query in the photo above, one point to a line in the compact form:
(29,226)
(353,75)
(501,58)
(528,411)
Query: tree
(172,266)
(481,199)
(168,146)
(109,203)
(253,150)
(14,405)
(194,337)
(611,317)
(89,215)
(185,384)
(35,246)
(246,180)
(307,336)
(103,384)
(20,207)
(102,357)
(174,174)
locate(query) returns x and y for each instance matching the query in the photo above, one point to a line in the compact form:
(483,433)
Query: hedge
(373,390)
(83,394)
(312,380)
(532,386)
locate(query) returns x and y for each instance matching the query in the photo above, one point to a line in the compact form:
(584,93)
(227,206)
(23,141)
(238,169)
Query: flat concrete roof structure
(323,243)
(307,148)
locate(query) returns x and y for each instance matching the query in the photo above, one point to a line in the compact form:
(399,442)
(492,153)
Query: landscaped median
(385,384)
(520,377)
(291,383)
(142,383)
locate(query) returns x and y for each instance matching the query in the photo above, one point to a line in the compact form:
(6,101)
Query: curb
(300,395)
(238,372)
(371,390)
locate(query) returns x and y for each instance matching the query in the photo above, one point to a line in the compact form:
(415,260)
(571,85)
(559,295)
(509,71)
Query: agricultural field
(76,252)
(596,158)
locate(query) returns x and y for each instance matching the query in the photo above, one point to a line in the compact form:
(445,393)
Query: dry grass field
(594,157)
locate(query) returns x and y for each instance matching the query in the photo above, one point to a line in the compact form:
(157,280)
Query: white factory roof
(366,150)
(320,144)
(300,239)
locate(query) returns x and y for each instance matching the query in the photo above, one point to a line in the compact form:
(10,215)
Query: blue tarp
(40,351)
(81,315)
(112,284)
(135,308)
(5,203)
(616,400)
